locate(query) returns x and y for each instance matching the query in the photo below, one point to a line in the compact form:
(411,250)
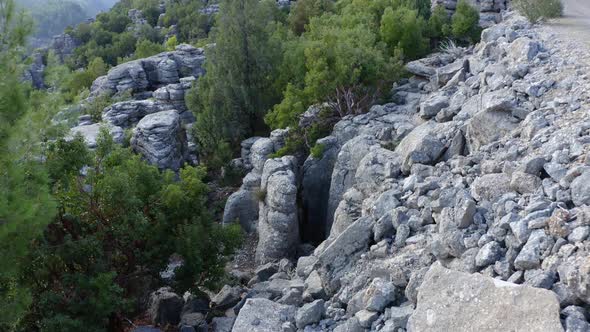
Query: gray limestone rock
(456,301)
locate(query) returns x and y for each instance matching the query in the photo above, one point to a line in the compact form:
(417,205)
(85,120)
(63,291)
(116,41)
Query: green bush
(539,10)
(318,151)
(465,23)
(107,245)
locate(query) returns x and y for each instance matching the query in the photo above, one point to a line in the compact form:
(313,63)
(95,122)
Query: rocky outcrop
(278,222)
(478,166)
(160,139)
(90,133)
(455,301)
(63,46)
(265,315)
(152,73)
(36,71)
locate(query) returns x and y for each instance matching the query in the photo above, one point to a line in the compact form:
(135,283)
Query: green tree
(238,88)
(106,246)
(465,23)
(304,10)
(25,202)
(404,30)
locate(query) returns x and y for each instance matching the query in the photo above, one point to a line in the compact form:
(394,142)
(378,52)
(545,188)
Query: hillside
(298,166)
(51,17)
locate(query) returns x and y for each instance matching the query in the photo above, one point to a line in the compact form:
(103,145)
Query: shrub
(539,10)
(465,23)
(106,246)
(318,150)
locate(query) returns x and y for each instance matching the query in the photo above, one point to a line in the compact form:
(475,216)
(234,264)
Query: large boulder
(91,132)
(455,301)
(493,122)
(242,206)
(165,307)
(161,140)
(127,113)
(344,250)
(422,145)
(278,222)
(343,175)
(263,315)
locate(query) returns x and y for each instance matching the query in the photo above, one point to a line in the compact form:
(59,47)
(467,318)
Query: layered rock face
(156,113)
(461,205)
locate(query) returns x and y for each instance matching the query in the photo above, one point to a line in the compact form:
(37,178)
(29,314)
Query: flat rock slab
(456,301)
(263,315)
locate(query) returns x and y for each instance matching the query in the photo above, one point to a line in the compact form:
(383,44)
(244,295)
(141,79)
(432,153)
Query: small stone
(579,234)
(366,318)
(314,286)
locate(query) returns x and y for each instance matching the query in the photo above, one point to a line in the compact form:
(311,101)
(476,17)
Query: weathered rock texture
(478,164)
(455,301)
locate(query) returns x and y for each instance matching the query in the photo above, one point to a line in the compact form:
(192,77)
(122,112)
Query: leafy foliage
(116,227)
(539,10)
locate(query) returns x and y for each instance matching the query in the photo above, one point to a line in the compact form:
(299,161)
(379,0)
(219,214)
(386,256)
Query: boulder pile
(462,205)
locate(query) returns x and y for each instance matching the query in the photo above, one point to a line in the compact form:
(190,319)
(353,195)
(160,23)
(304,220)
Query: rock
(523,49)
(366,318)
(226,298)
(530,255)
(194,321)
(493,122)
(398,317)
(456,301)
(574,324)
(579,234)
(265,271)
(278,222)
(525,183)
(574,272)
(90,133)
(343,175)
(259,153)
(64,45)
(488,254)
(416,279)
(378,295)
(263,315)
(421,146)
(125,114)
(153,72)
(314,286)
(305,265)
(350,325)
(433,105)
(160,139)
(222,324)
(343,250)
(490,187)
(165,307)
(310,313)
(418,68)
(580,189)
(242,206)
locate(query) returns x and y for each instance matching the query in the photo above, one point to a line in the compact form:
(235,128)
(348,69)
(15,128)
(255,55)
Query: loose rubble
(462,205)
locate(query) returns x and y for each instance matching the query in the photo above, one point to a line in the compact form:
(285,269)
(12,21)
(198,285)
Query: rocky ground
(460,206)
